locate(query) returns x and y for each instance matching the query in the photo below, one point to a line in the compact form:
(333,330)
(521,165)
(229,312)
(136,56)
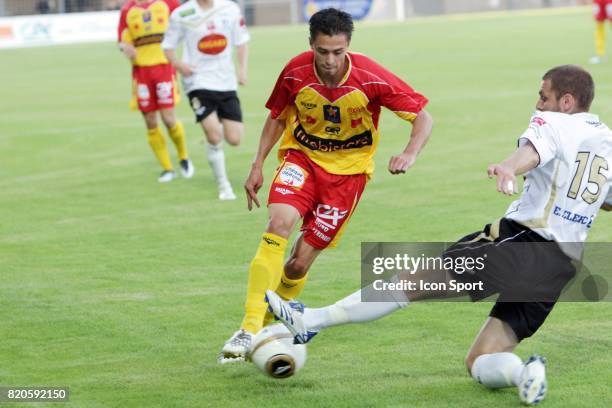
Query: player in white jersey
(566,157)
(210,29)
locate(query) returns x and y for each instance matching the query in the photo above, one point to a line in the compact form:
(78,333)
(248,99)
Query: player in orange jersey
(602,11)
(141,30)
(326,106)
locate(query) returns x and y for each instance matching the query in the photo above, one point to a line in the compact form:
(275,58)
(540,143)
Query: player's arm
(421,131)
(523,159)
(126,44)
(183,68)
(172,38)
(271,133)
(242,54)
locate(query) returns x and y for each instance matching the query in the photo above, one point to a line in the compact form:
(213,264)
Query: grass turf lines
(125,290)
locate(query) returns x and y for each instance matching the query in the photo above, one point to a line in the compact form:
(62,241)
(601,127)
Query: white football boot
(290,313)
(532,388)
(226,193)
(236,347)
(166,176)
(187,168)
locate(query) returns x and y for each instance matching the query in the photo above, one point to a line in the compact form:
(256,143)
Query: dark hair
(331,21)
(573,80)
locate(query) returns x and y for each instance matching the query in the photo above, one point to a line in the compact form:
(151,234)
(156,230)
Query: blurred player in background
(326,106)
(566,156)
(602,11)
(210,30)
(141,30)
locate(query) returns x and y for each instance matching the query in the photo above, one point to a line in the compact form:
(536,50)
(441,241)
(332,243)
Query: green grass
(124,289)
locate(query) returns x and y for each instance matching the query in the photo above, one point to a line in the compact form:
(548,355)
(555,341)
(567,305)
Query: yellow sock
(600,38)
(158,144)
(287,289)
(177,134)
(264,273)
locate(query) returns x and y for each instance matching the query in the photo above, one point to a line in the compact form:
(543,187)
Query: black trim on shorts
(226,103)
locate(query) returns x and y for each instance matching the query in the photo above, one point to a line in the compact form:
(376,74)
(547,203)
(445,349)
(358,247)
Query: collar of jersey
(344,78)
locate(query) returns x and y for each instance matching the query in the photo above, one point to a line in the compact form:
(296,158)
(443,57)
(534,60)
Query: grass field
(124,289)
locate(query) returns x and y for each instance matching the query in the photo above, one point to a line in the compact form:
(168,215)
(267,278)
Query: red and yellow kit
(602,10)
(143,24)
(337,128)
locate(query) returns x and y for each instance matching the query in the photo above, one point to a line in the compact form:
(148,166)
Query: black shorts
(226,104)
(526,270)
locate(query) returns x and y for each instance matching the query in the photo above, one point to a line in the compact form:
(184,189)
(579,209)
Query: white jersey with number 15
(563,194)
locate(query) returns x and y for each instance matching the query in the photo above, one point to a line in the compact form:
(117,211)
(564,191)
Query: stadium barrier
(51,29)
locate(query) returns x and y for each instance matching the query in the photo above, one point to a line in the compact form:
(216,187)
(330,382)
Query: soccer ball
(274,353)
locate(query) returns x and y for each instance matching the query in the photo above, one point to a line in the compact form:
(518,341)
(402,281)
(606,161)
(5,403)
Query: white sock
(498,370)
(352,310)
(216,159)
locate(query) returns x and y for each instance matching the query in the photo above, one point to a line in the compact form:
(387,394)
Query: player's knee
(279,226)
(296,268)
(234,137)
(170,122)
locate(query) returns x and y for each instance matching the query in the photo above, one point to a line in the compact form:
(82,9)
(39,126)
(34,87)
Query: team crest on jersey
(212,44)
(146,16)
(292,175)
(331,113)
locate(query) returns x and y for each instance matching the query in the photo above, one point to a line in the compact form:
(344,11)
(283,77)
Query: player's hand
(506,180)
(242,78)
(400,163)
(252,185)
(184,69)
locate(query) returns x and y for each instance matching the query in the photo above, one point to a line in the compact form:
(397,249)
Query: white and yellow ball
(274,353)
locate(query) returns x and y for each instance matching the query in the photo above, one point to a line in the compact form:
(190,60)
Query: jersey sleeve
(240,34)
(281,94)
(397,96)
(543,137)
(174,33)
(123,34)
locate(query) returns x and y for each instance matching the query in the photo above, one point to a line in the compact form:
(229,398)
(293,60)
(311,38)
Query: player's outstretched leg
(216,159)
(306,322)
(290,313)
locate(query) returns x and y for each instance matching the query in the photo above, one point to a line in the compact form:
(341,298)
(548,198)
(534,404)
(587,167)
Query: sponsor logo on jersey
(356,122)
(187,13)
(332,130)
(331,145)
(573,217)
(210,25)
(148,39)
(242,22)
(283,191)
(331,113)
(538,121)
(310,120)
(292,175)
(212,44)
(356,110)
(308,105)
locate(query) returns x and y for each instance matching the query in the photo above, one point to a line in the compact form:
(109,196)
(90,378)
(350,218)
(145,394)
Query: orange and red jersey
(143,24)
(337,128)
